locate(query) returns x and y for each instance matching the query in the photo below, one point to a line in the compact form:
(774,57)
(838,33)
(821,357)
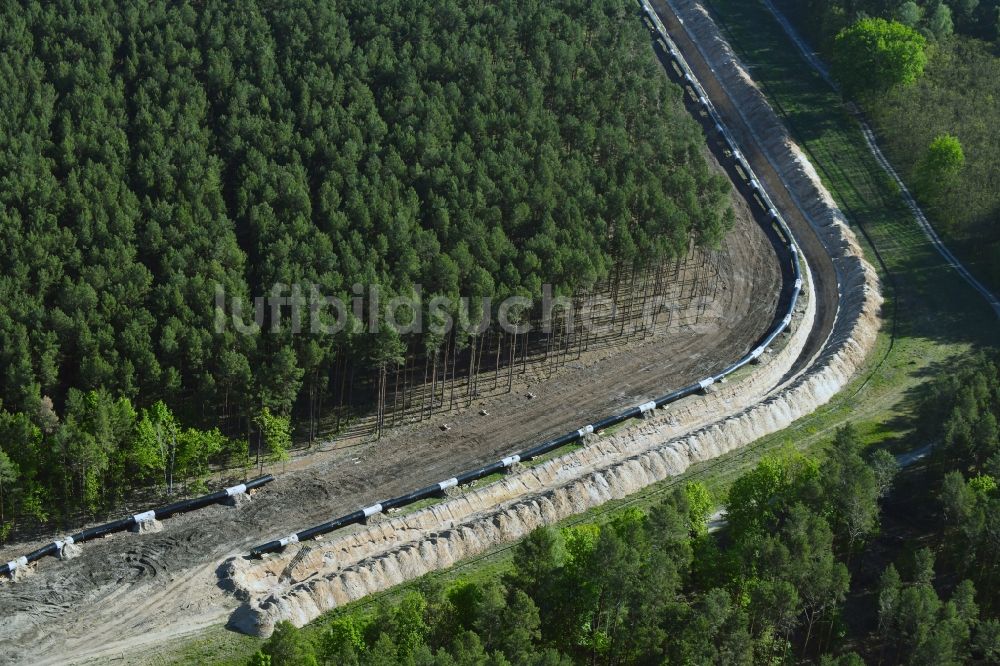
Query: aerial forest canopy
(151,152)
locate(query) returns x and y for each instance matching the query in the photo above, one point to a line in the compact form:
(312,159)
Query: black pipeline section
(183,506)
(794,288)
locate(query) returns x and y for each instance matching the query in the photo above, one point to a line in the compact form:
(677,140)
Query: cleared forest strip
(184,558)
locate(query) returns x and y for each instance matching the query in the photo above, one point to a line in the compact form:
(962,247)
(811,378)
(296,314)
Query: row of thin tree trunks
(357,404)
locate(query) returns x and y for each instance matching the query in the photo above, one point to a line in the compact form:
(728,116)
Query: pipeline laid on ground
(182,506)
(794,287)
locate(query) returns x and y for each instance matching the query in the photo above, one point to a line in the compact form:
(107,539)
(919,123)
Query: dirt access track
(129,592)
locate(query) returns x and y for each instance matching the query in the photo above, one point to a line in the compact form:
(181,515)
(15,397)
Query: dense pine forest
(155,153)
(854,557)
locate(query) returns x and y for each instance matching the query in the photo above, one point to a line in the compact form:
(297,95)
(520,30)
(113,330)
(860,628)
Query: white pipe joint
(705,383)
(757,353)
(17,564)
(236,490)
(585,430)
(144,517)
(65,542)
(798,283)
(370,511)
(647,407)
(786,321)
(450,483)
(510,460)
(291,538)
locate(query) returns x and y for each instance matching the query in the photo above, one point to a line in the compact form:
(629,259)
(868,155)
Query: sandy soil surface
(134,590)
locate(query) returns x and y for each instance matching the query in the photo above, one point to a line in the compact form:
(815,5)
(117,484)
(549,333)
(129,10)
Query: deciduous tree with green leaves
(288,647)
(939,170)
(874,55)
(8,479)
(275,435)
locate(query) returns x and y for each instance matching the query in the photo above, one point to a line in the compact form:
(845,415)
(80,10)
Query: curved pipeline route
(795,289)
(814,61)
(182,506)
